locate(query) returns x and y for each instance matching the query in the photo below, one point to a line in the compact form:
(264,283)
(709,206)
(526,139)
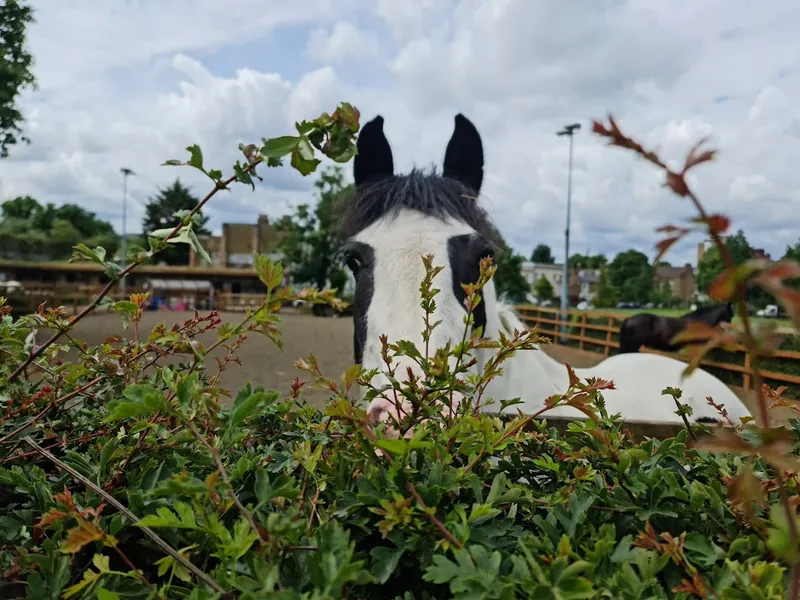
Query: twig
(432,518)
(224,474)
(314,502)
(133,568)
(48,408)
(133,518)
(36,352)
(685,419)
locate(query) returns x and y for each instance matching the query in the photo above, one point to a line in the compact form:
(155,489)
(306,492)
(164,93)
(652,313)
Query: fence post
(746,378)
(610,325)
(582,331)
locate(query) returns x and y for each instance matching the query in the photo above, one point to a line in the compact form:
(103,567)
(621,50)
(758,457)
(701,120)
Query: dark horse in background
(656,332)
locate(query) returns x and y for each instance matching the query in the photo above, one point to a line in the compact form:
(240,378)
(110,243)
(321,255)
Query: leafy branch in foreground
(114,446)
(333,135)
(731,285)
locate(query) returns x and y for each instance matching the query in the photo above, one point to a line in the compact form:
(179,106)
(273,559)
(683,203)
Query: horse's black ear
(463,159)
(374,159)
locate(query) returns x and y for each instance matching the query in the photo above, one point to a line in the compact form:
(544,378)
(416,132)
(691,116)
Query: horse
(392,220)
(657,332)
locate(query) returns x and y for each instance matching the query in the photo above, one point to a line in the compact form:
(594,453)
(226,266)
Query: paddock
(330,339)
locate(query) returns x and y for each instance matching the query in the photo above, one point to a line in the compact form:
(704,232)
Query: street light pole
(569,130)
(125,173)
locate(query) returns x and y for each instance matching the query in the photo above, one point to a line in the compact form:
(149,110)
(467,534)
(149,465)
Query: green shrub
(122,478)
(274,498)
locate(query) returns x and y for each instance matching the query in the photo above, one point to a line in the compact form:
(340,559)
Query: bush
(123,478)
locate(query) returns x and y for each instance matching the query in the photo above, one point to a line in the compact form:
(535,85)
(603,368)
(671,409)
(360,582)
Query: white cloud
(122,85)
(344,42)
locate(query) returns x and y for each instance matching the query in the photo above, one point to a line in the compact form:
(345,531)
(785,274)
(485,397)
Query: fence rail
(584,333)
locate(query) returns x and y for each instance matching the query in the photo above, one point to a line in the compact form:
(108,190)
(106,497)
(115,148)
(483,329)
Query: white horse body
(533,376)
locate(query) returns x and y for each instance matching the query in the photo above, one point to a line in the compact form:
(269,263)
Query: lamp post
(568,130)
(125,173)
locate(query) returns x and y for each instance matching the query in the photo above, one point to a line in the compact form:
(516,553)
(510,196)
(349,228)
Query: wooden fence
(585,334)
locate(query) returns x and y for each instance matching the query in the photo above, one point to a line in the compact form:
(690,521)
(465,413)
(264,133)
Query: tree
(711,266)
(30,231)
(606,295)
(508,279)
(793,253)
(311,239)
(588,261)
(16,72)
(663,295)
(631,274)
(160,214)
(543,289)
(23,207)
(543,255)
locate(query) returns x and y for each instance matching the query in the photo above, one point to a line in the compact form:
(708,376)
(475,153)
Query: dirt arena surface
(331,339)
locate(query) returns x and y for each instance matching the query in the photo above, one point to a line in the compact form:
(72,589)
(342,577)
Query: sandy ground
(331,339)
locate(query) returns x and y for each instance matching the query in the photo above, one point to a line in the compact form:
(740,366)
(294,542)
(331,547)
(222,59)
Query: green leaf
(160,234)
(267,490)
(395,446)
(198,247)
(270,273)
(196,157)
(279,146)
(303,163)
(108,451)
(186,388)
(103,594)
(125,410)
(441,571)
(250,406)
(384,562)
(164,517)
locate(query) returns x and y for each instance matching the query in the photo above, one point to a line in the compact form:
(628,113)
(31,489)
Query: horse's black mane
(424,191)
(714,310)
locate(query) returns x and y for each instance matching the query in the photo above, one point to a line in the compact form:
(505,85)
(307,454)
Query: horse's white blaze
(395,310)
(400,241)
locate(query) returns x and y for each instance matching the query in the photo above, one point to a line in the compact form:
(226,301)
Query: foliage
(663,295)
(605,295)
(310,240)
(543,289)
(508,279)
(588,261)
(122,475)
(272,498)
(630,273)
(542,254)
(712,265)
(31,231)
(793,253)
(16,70)
(159,214)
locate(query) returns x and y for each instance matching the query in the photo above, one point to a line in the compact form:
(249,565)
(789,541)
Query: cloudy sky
(130,83)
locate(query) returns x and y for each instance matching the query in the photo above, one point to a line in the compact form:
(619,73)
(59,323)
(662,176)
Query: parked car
(770,311)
